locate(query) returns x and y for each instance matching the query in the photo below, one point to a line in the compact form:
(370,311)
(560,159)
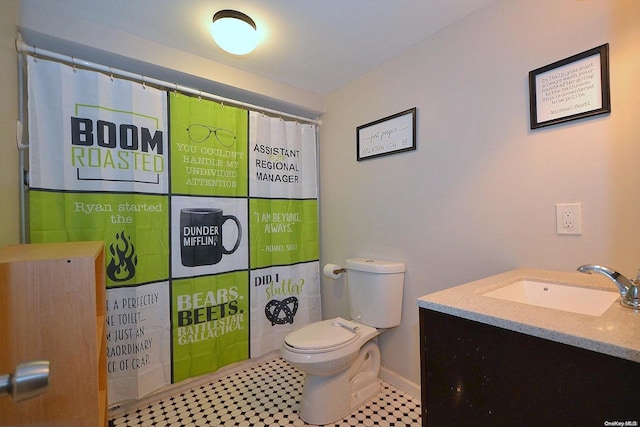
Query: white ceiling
(314,45)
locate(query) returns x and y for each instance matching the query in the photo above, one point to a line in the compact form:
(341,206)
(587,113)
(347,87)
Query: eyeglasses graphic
(200,133)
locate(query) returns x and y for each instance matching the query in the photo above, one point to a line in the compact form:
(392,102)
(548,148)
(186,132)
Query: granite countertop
(616,332)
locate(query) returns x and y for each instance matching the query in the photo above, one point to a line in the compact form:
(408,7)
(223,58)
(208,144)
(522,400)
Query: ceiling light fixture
(234,32)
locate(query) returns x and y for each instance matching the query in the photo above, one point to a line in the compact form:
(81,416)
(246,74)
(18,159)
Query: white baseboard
(399,382)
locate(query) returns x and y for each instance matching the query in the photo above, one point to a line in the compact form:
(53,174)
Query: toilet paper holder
(333,271)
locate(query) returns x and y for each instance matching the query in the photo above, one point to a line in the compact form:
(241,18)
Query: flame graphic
(122,266)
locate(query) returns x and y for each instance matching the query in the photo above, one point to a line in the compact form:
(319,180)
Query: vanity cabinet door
(481,375)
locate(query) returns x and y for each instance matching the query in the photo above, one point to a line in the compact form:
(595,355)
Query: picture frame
(389,135)
(573,88)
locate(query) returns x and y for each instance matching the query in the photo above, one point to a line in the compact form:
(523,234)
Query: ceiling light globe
(234,32)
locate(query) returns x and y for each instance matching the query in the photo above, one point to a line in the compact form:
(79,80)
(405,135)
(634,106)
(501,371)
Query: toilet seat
(323,336)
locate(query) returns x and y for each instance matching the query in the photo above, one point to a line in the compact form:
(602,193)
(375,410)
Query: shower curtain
(208,212)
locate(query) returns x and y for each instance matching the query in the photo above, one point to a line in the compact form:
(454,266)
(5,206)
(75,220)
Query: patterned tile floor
(264,395)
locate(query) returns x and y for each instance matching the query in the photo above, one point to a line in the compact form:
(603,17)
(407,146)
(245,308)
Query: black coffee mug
(201,236)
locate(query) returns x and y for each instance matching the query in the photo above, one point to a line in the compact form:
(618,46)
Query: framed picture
(571,89)
(385,136)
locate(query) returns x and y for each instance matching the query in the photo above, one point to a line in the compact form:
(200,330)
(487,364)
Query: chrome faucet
(629,288)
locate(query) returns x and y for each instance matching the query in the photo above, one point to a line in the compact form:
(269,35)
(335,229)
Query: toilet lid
(324,335)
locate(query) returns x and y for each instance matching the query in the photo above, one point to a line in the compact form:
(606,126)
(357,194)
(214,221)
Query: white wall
(478,195)
(46,25)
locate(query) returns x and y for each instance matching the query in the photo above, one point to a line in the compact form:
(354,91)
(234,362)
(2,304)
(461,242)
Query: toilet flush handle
(340,322)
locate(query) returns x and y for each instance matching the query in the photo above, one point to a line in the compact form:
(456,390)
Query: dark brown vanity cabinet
(475,374)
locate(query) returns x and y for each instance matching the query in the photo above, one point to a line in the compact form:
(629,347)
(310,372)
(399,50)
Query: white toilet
(339,357)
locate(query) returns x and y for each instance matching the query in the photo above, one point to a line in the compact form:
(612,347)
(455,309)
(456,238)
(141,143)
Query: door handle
(29,380)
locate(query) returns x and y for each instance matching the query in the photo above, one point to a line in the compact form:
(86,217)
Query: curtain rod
(23,47)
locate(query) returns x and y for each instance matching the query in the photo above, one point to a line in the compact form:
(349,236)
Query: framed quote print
(389,135)
(570,89)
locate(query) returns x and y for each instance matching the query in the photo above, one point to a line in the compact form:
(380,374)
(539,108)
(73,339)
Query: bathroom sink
(574,299)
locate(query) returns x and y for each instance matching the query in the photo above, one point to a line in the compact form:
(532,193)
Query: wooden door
(48,310)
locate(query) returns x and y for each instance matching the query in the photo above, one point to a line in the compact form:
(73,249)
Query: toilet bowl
(340,358)
(341,363)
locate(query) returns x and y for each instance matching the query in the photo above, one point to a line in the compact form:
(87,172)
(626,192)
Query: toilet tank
(375,291)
